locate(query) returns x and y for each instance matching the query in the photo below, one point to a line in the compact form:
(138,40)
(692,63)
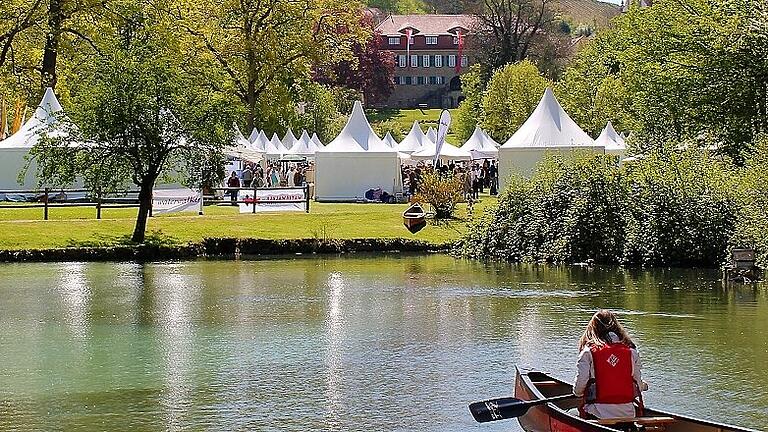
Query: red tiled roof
(430,25)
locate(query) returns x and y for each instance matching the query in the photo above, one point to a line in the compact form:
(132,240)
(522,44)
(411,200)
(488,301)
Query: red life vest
(613,374)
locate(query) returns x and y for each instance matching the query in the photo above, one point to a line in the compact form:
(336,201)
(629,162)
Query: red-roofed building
(427,71)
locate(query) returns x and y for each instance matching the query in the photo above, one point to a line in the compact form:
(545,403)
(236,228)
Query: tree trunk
(55,16)
(145,205)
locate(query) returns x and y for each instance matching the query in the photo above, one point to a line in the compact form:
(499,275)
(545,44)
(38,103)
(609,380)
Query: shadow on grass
(153,238)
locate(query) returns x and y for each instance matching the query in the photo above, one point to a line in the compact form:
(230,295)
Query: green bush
(441,192)
(670,208)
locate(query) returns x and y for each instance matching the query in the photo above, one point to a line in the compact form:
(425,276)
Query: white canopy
(42,121)
(274,147)
(316,140)
(355,161)
(432,134)
(549,126)
(611,140)
(388,140)
(260,142)
(414,141)
(304,146)
(254,134)
(447,152)
(289,140)
(481,145)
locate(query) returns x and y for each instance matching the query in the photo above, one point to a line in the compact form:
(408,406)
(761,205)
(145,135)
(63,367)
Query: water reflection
(380,343)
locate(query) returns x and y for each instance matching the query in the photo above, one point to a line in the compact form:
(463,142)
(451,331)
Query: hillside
(589,12)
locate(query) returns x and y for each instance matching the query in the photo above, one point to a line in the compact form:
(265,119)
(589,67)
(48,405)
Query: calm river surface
(385,343)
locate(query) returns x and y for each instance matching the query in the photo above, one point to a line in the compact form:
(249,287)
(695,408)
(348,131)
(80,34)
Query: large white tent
(448,152)
(388,140)
(355,161)
(612,141)
(304,146)
(548,129)
(15,148)
(414,141)
(481,146)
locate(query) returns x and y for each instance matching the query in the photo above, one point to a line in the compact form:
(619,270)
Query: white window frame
(415,80)
(455,40)
(401,60)
(438,61)
(414,60)
(452,60)
(464,61)
(393,40)
(431,40)
(425,60)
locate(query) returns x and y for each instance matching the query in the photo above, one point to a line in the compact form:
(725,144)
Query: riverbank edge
(221,248)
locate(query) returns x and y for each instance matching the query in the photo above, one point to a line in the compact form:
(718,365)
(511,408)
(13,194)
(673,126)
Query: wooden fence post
(45,204)
(253,211)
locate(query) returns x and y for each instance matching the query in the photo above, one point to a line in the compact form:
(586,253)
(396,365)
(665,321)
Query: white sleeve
(637,365)
(583,372)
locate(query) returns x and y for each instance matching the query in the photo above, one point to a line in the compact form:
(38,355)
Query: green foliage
(400,6)
(441,192)
(466,116)
(389,126)
(670,208)
(513,93)
(752,226)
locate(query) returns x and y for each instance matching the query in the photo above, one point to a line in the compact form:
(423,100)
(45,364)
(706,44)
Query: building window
(407,80)
(451,60)
(440,80)
(421,80)
(414,60)
(415,80)
(438,61)
(431,40)
(401,61)
(394,41)
(464,61)
(455,40)
(425,61)
(432,80)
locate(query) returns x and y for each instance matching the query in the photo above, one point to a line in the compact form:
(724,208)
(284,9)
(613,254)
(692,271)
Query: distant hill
(588,12)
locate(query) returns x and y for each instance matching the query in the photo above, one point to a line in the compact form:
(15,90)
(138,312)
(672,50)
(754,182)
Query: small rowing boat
(562,415)
(415,218)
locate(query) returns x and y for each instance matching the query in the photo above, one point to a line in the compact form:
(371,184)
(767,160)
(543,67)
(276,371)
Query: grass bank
(77,227)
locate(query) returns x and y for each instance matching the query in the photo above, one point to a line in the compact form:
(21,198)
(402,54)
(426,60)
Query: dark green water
(351,344)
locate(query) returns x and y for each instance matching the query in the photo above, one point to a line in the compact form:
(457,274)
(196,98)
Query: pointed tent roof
(610,139)
(254,134)
(289,140)
(414,141)
(480,145)
(357,136)
(549,126)
(260,143)
(316,140)
(432,134)
(274,147)
(304,146)
(447,152)
(44,117)
(240,140)
(388,140)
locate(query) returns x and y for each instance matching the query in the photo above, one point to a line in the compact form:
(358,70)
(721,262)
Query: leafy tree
(139,116)
(511,97)
(469,113)
(371,70)
(262,51)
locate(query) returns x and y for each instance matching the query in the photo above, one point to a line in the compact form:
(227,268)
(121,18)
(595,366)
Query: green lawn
(405,118)
(24,228)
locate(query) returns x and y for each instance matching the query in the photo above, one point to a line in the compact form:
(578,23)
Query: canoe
(562,416)
(415,218)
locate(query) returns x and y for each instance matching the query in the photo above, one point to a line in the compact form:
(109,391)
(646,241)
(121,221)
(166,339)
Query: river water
(379,343)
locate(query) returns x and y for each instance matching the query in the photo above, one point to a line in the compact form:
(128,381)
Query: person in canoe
(608,373)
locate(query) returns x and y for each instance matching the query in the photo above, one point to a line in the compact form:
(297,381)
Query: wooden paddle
(507,408)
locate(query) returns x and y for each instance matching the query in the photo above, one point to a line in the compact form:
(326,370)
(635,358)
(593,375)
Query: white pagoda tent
(548,129)
(448,152)
(304,146)
(316,140)
(414,141)
(289,140)
(254,134)
(260,142)
(388,140)
(481,145)
(432,134)
(243,149)
(355,161)
(612,141)
(274,148)
(15,148)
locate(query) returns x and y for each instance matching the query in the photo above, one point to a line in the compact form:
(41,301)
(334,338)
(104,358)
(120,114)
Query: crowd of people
(476,176)
(275,174)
